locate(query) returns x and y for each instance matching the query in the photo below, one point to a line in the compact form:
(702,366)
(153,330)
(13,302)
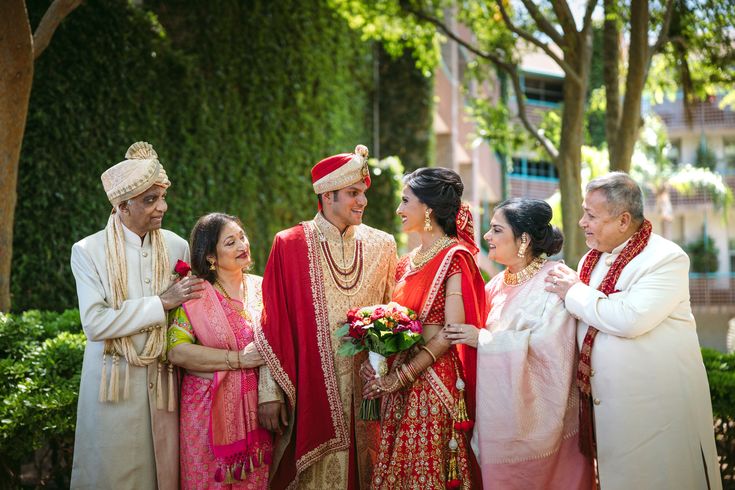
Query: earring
(523,247)
(427,221)
(212,267)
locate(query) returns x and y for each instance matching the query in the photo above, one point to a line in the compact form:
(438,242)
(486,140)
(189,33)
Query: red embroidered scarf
(635,245)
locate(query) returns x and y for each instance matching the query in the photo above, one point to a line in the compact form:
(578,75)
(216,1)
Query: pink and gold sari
(222,441)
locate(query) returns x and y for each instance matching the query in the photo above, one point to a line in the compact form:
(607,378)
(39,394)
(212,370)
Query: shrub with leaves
(40,364)
(721,375)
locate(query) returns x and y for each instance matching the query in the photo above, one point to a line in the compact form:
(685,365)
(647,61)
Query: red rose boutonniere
(182,268)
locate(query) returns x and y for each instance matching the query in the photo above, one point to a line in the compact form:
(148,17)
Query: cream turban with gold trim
(134,175)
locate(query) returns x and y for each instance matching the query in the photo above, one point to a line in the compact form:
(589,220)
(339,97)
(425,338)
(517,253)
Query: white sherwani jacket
(653,415)
(122,445)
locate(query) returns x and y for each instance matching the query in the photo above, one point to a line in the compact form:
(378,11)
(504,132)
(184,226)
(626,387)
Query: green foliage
(40,365)
(386,188)
(240,100)
(703,254)
(721,376)
(705,157)
(406,116)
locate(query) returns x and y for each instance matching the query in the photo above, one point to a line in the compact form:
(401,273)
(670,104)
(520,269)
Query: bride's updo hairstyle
(441,190)
(533,216)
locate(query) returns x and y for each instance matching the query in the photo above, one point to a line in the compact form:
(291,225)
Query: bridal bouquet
(382,330)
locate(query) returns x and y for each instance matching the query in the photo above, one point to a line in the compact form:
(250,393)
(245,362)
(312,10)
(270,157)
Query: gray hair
(621,192)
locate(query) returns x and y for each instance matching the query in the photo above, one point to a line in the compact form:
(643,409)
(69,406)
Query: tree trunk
(630,120)
(16,76)
(578,54)
(611,74)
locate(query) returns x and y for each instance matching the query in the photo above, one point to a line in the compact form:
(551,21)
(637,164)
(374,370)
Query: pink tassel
(219,475)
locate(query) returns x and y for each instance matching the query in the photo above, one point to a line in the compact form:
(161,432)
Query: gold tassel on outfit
(103,382)
(159,388)
(112,394)
(171,395)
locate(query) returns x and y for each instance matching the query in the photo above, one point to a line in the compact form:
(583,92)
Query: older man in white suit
(645,410)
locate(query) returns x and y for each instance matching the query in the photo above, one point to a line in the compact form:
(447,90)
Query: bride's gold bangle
(423,347)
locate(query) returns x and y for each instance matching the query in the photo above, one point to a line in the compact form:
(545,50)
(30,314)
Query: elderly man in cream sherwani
(127,422)
(645,409)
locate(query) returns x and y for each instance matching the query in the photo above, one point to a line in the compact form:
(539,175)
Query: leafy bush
(721,376)
(40,365)
(703,255)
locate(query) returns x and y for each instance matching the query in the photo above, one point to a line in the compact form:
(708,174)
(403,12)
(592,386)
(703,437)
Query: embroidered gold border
(324,339)
(431,377)
(277,371)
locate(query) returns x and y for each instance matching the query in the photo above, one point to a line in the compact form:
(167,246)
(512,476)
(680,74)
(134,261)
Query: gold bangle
(454,293)
(227,360)
(430,353)
(239,362)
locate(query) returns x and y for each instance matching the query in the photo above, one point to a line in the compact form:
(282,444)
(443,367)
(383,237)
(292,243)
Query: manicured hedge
(239,98)
(721,375)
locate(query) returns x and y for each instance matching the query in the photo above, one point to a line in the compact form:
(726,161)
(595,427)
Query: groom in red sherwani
(316,272)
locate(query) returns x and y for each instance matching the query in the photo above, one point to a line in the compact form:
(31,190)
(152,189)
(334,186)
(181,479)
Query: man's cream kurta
(378,279)
(652,409)
(129,444)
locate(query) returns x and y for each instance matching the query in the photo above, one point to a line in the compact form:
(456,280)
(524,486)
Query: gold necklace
(518,278)
(419,258)
(244,311)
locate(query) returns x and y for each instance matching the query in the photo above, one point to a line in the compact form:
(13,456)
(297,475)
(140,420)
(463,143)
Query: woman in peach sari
(425,416)
(526,432)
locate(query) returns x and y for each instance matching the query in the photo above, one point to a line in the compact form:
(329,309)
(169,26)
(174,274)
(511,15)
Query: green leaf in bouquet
(342,331)
(406,340)
(390,345)
(349,348)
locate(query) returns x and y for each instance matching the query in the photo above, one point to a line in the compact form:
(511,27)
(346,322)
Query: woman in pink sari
(221,443)
(526,430)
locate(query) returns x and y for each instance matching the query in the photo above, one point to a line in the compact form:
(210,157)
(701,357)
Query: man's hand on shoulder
(560,279)
(181,291)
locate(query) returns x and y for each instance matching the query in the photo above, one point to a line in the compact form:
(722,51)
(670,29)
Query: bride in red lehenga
(428,405)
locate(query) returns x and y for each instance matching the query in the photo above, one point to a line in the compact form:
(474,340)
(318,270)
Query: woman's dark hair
(533,216)
(440,189)
(203,242)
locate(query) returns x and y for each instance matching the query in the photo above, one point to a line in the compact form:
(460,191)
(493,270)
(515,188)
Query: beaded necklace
(518,278)
(347,279)
(244,311)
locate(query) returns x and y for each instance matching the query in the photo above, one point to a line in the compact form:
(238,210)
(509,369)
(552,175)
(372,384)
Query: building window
(543,89)
(522,167)
(728,154)
(674,152)
(732,255)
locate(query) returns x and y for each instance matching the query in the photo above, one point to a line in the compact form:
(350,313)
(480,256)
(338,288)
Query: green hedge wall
(239,98)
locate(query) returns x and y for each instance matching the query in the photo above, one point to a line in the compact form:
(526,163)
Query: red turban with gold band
(339,171)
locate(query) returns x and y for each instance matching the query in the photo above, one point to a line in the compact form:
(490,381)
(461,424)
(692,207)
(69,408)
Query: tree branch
(566,19)
(523,114)
(507,67)
(663,36)
(587,22)
(568,70)
(56,12)
(543,23)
